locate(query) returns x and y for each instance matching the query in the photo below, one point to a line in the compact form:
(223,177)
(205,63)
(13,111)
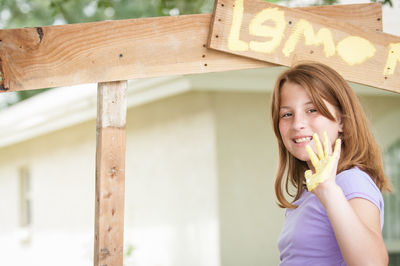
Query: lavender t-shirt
(307,236)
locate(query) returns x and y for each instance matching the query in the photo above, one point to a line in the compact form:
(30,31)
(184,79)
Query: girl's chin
(303,157)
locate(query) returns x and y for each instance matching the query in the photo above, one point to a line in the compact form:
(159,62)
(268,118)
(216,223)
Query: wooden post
(110,173)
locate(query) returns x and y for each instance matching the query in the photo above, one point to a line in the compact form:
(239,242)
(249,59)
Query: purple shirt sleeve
(307,236)
(356,183)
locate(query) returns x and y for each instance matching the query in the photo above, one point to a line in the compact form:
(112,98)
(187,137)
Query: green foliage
(32,13)
(384,2)
(23,95)
(327,2)
(129,250)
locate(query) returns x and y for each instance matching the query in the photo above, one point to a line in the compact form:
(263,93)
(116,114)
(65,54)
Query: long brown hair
(359,147)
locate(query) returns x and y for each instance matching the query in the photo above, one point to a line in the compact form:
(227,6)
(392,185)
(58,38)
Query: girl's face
(299,120)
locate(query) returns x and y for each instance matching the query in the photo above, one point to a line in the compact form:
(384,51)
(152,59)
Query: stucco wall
(171,185)
(384,116)
(246,147)
(61,167)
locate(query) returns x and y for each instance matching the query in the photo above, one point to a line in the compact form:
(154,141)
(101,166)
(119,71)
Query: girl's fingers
(318,146)
(308,174)
(336,151)
(327,145)
(314,159)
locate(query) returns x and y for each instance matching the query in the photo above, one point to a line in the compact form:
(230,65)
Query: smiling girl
(336,215)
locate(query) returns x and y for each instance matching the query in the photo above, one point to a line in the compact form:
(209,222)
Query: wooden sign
(282,35)
(53,56)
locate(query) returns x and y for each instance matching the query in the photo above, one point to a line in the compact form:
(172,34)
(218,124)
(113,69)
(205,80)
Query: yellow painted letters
(324,36)
(392,59)
(355,50)
(234,43)
(270,23)
(276,33)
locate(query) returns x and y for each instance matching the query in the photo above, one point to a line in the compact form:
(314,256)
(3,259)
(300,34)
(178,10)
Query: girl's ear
(341,126)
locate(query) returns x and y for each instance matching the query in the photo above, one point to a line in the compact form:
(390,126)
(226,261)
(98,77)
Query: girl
(336,216)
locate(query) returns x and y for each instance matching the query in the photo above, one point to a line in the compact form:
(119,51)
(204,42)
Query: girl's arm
(356,222)
(356,225)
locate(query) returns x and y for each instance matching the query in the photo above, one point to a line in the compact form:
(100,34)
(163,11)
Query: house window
(25,197)
(391,229)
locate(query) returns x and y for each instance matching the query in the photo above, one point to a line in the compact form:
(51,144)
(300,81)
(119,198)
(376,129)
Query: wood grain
(370,72)
(110,173)
(53,56)
(367,16)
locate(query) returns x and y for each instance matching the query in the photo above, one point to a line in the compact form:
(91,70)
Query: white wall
(61,167)
(247,159)
(384,115)
(171,185)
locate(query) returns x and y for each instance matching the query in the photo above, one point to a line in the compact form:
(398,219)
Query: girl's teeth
(302,139)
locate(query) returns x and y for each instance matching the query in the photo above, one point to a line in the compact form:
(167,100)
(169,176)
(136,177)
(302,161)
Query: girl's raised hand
(324,162)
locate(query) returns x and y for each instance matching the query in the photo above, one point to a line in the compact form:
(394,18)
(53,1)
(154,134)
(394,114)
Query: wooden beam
(367,16)
(110,173)
(53,56)
(281,35)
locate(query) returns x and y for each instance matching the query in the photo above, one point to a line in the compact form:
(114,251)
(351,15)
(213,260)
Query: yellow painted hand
(324,162)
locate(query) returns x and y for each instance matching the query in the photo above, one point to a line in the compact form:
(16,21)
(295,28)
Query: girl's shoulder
(355,179)
(356,183)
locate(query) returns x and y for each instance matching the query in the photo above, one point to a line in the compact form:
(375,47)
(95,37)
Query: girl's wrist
(328,192)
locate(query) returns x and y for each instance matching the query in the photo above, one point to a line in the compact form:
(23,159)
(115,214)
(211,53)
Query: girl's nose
(299,122)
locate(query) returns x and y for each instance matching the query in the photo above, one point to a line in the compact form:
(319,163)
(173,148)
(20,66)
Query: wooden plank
(367,16)
(54,56)
(110,173)
(282,35)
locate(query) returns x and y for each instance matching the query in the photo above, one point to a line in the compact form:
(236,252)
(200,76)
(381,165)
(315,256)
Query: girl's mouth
(302,139)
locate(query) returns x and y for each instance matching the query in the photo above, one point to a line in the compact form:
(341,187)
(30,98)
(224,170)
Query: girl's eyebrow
(288,107)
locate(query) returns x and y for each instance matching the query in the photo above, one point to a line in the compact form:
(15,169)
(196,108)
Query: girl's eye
(286,115)
(312,110)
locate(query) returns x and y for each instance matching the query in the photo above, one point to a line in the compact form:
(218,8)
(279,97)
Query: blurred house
(200,164)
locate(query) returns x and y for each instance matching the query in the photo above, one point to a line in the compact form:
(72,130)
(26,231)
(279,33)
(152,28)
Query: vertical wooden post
(110,173)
